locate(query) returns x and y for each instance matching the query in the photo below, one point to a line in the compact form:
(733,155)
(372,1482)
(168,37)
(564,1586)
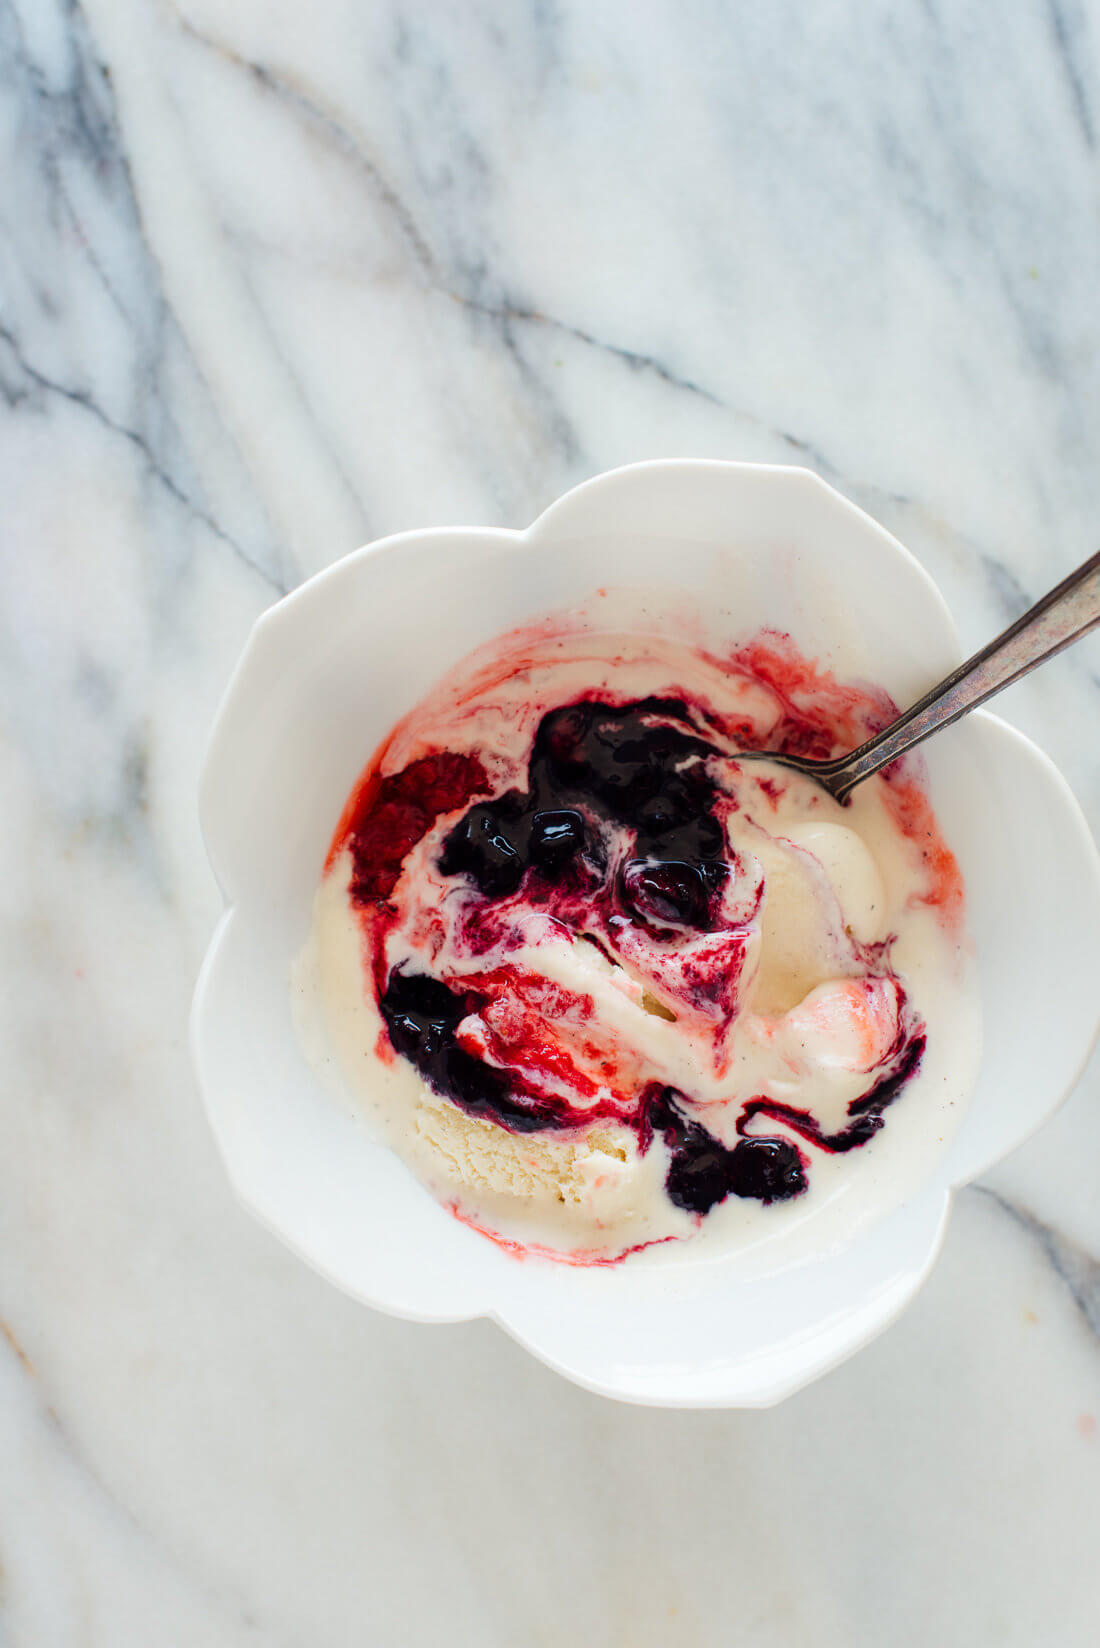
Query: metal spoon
(1070,611)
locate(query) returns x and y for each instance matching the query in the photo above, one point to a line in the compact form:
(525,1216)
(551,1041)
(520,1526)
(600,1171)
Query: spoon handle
(1063,616)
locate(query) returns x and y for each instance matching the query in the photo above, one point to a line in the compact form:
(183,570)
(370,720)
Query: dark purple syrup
(866,1112)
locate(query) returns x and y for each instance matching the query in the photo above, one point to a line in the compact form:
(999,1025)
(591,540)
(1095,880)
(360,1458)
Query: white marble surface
(278,278)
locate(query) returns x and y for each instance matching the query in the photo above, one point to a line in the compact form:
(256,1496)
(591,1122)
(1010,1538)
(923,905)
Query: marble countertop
(275,279)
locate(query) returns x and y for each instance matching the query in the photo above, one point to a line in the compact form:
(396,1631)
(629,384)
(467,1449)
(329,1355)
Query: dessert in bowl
(607,984)
(615,996)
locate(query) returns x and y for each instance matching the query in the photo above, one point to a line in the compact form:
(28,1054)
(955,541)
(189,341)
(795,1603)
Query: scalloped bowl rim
(936,1191)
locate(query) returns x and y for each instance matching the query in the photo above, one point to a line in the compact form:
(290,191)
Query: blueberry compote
(620,813)
(643,768)
(703,1171)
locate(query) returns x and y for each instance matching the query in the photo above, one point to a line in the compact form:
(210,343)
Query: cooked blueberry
(697,1175)
(555,836)
(669,892)
(420,1014)
(697,1178)
(561,739)
(767,1170)
(483,845)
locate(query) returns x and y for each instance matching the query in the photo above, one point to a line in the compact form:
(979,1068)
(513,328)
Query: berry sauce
(638,767)
(866,1112)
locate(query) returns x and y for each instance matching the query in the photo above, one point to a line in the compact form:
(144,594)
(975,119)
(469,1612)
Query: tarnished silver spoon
(1063,616)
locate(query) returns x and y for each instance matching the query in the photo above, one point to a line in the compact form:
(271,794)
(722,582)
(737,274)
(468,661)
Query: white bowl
(324,676)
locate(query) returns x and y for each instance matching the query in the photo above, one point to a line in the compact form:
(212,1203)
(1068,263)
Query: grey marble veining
(275,280)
